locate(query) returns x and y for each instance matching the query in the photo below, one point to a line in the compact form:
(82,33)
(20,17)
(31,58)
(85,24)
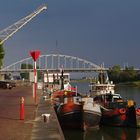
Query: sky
(100,31)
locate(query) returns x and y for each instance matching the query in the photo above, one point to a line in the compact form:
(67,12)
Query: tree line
(25,75)
(2,54)
(117,75)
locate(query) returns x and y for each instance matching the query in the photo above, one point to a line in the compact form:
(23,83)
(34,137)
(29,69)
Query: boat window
(109,98)
(99,98)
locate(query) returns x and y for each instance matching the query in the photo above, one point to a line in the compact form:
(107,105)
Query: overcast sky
(96,30)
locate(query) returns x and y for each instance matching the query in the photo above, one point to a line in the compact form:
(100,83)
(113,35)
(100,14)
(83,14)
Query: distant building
(2,76)
(51,76)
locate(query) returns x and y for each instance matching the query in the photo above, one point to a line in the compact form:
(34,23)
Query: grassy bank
(132,83)
(129,83)
(80,80)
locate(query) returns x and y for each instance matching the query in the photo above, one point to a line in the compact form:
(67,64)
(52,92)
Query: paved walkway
(44,129)
(11,127)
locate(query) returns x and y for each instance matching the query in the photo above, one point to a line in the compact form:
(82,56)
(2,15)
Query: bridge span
(54,63)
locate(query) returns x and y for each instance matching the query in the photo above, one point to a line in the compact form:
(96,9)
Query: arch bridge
(54,63)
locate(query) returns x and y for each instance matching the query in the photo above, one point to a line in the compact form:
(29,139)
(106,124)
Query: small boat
(69,112)
(115,110)
(91,113)
(68,106)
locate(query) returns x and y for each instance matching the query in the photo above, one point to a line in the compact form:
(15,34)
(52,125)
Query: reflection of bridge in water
(53,63)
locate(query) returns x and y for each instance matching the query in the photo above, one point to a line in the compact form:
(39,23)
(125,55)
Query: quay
(46,128)
(33,127)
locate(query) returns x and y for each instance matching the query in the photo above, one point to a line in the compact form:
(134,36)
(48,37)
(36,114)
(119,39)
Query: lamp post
(35,55)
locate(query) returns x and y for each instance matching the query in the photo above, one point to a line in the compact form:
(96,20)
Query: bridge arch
(54,61)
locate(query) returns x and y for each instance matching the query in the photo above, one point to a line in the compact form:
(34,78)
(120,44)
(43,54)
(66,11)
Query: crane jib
(11,30)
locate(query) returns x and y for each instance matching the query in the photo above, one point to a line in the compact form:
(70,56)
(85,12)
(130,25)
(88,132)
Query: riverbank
(80,80)
(130,84)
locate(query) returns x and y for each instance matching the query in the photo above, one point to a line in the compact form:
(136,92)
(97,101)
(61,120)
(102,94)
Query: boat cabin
(110,100)
(108,97)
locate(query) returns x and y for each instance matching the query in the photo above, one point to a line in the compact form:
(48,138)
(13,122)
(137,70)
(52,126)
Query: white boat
(102,85)
(91,113)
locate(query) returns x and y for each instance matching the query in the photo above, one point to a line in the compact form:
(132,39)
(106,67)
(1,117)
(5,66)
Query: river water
(106,132)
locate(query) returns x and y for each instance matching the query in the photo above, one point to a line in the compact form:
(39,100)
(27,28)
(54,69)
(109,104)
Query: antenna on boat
(62,79)
(100,76)
(76,90)
(54,80)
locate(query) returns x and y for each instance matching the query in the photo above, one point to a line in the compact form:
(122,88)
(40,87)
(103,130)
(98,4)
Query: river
(107,133)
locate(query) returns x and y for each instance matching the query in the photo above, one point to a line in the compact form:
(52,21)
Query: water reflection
(104,133)
(116,133)
(73,134)
(95,134)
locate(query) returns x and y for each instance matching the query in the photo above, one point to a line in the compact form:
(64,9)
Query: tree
(114,73)
(26,74)
(2,54)
(128,74)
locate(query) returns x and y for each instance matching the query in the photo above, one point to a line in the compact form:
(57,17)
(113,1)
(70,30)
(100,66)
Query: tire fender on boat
(122,110)
(138,111)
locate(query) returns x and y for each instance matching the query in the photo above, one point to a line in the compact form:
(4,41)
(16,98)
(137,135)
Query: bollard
(46,117)
(22,108)
(45,98)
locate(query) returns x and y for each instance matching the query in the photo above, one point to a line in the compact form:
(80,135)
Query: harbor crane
(11,30)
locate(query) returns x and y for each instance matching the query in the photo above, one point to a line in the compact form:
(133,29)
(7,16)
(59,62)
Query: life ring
(123,117)
(122,110)
(138,111)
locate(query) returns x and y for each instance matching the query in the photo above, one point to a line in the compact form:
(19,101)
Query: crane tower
(11,30)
